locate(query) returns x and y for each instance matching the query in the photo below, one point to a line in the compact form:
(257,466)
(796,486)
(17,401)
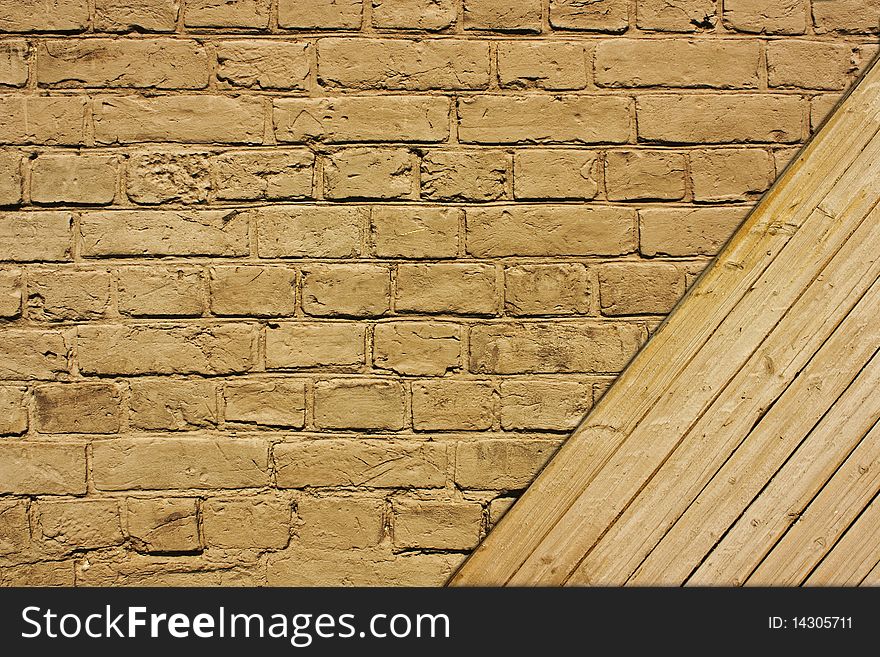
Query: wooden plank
(854,556)
(826,518)
(765,448)
(783,500)
(654,438)
(872,578)
(780,219)
(764,380)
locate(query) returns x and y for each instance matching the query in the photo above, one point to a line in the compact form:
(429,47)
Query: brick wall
(307,291)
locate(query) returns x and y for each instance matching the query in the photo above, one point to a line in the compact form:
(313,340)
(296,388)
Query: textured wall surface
(306,291)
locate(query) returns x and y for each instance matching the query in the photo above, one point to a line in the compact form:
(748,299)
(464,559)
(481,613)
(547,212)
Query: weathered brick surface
(413,65)
(163,524)
(13,410)
(78,408)
(304,292)
(79,524)
(418,348)
(69,295)
(438,525)
(340,522)
(166,404)
(264,64)
(156,63)
(274,403)
(455,289)
(163,463)
(259,522)
(89,180)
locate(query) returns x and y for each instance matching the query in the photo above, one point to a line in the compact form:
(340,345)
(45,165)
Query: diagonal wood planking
(741,445)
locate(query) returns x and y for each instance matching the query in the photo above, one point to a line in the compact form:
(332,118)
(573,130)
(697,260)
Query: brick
(544,119)
(161,291)
(415,232)
(11,293)
(641,174)
(57,121)
(164,233)
(153,178)
(342,522)
(46,573)
(362,119)
(544,405)
(373,173)
(15,535)
(639,288)
(376,463)
(542,65)
(603,16)
(550,230)
(172,404)
(414,14)
(264,64)
(676,15)
(809,64)
(719,119)
(13,411)
(125,350)
(502,16)
(251,175)
(453,405)
(464,175)
(78,408)
(761,17)
(417,348)
(846,16)
(80,179)
(10,178)
(309,232)
(165,570)
(551,289)
(501,464)
(730,174)
(32,354)
(261,522)
(53,16)
(369,567)
(253,290)
(821,108)
(321,14)
(728,64)
(346,290)
(13,63)
(79,524)
(42,468)
(182,118)
(302,344)
(145,15)
(227,13)
(197,463)
(69,295)
(359,404)
(274,403)
(443,525)
(456,289)
(406,64)
(498,507)
(555,174)
(553,347)
(163,524)
(782,157)
(139,63)
(687,231)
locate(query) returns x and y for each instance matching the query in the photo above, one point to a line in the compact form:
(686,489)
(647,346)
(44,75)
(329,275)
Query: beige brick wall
(307,291)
